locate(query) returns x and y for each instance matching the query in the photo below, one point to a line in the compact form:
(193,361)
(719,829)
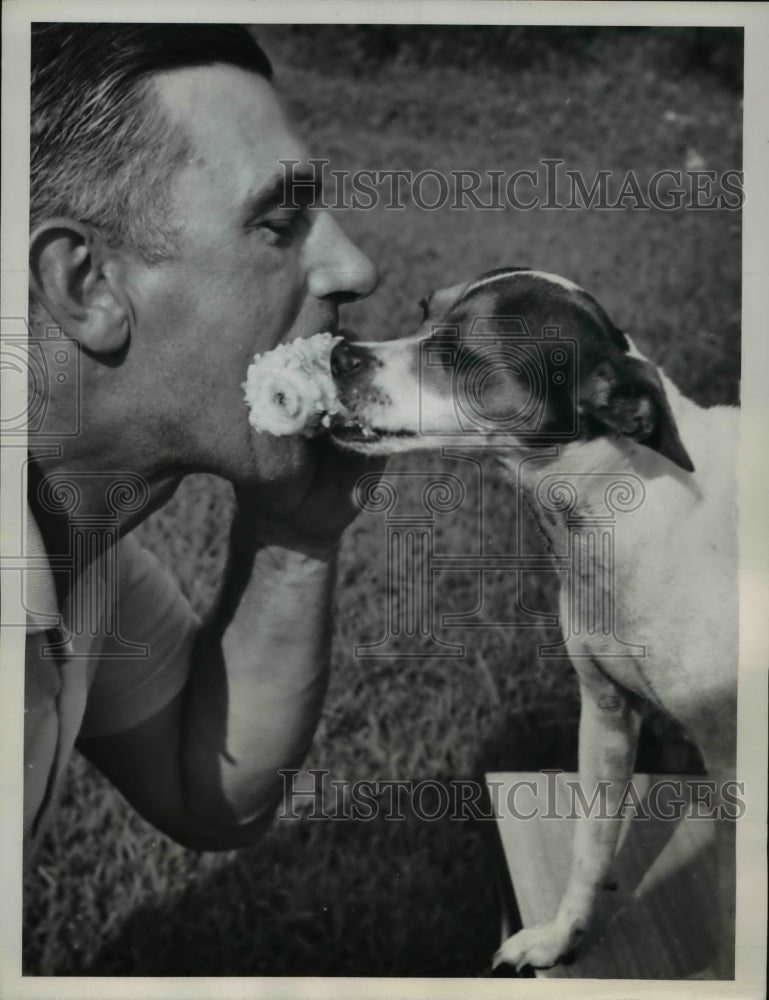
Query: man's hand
(315,523)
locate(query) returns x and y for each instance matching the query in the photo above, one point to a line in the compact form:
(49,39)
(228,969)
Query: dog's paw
(539,947)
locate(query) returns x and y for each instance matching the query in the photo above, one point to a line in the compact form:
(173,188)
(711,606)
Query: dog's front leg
(608,735)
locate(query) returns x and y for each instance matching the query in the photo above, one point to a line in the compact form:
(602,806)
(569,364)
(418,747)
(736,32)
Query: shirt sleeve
(130,685)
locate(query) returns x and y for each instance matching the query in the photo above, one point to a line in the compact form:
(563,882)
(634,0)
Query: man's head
(103,149)
(162,245)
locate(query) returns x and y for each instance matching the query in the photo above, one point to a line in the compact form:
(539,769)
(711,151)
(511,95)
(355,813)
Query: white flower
(289,390)
(281,401)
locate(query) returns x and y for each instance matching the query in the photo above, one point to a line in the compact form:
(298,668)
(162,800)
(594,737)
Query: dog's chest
(649,595)
(609,609)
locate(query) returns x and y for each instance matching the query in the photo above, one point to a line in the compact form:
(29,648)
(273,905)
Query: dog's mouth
(362,434)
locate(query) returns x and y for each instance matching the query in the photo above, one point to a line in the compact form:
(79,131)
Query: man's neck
(66,501)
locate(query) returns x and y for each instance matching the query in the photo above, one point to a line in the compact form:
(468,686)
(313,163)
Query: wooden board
(660,922)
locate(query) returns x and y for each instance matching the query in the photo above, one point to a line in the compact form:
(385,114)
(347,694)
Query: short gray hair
(103,150)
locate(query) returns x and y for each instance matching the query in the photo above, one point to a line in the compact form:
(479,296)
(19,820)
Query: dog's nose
(345,358)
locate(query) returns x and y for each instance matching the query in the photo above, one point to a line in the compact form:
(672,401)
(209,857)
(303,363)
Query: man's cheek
(270,309)
(285,288)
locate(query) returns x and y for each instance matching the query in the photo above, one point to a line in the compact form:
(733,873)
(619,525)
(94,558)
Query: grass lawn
(108,894)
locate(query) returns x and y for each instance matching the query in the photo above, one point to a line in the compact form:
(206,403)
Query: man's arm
(204,769)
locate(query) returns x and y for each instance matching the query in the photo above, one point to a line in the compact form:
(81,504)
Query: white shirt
(120,655)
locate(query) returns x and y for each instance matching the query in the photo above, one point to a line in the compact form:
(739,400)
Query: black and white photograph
(384,590)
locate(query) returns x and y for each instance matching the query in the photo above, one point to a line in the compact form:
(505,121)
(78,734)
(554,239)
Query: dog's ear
(628,396)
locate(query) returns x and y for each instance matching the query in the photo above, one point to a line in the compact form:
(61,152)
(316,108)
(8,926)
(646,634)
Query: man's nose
(337,268)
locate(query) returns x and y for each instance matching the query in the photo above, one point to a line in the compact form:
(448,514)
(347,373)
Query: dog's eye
(424,305)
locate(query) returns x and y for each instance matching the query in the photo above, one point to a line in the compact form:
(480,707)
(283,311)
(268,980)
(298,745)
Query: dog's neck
(586,469)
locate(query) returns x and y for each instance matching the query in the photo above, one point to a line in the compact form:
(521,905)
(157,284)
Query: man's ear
(72,276)
(628,396)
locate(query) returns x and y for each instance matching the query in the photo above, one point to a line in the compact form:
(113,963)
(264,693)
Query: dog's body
(673,572)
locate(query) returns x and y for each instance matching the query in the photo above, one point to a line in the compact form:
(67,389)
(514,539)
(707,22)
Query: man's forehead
(232,117)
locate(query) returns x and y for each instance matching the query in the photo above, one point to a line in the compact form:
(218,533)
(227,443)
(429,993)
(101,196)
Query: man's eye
(284,227)
(281,227)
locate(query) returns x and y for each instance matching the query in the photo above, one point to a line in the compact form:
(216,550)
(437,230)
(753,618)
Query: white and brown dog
(481,368)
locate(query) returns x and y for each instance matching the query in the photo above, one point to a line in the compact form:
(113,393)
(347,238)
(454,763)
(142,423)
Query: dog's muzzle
(348,359)
(354,367)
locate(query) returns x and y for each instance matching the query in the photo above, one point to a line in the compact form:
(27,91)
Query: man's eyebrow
(300,189)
